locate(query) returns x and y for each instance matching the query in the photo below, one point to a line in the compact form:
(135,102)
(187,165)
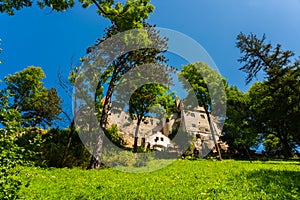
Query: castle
(153,132)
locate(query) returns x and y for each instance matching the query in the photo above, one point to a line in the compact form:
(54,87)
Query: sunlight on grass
(183,179)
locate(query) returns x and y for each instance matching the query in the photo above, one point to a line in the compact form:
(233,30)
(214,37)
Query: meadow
(183,179)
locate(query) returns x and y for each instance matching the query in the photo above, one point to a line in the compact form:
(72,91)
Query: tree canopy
(275,101)
(146,99)
(239,130)
(208,86)
(25,92)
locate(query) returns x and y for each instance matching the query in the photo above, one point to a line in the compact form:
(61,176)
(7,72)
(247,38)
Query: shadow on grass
(278,184)
(281,163)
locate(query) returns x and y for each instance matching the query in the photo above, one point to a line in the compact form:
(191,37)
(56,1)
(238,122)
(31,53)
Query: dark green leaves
(27,95)
(259,55)
(275,102)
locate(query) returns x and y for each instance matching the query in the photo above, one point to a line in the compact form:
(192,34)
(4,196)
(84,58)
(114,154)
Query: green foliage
(129,16)
(274,103)
(206,83)
(126,16)
(114,136)
(106,68)
(115,158)
(208,86)
(10,6)
(272,115)
(272,145)
(183,179)
(11,154)
(239,130)
(50,146)
(259,55)
(150,98)
(26,93)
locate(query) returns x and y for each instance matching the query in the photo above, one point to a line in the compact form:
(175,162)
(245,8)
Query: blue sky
(55,40)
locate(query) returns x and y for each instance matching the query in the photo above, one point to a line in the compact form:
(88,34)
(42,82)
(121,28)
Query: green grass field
(183,179)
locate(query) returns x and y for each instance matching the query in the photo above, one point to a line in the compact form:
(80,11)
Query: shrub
(55,148)
(11,155)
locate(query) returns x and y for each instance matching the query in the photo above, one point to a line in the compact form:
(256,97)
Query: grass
(183,179)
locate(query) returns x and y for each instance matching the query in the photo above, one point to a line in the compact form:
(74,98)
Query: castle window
(202,116)
(193,114)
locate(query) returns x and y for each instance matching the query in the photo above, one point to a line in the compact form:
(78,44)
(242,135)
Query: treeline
(267,114)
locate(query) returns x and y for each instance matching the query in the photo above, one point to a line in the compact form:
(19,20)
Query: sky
(55,41)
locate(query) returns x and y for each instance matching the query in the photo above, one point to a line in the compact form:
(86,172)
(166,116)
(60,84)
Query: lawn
(183,179)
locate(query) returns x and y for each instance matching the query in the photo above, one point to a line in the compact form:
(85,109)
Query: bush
(55,148)
(11,155)
(113,135)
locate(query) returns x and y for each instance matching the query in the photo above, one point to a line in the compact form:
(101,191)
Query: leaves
(259,55)
(275,101)
(26,94)
(207,84)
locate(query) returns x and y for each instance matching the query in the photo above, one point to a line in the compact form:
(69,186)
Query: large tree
(270,113)
(27,94)
(275,101)
(147,100)
(112,59)
(120,66)
(208,86)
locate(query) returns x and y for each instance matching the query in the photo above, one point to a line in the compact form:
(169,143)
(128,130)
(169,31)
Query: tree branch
(100,8)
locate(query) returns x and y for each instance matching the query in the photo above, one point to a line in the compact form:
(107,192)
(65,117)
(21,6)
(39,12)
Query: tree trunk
(95,162)
(247,151)
(212,130)
(288,152)
(136,137)
(72,131)
(283,135)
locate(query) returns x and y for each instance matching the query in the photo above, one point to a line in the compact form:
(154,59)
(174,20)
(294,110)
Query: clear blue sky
(54,40)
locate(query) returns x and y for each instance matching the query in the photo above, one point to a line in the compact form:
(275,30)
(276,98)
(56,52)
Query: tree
(124,16)
(208,87)
(115,11)
(259,55)
(121,65)
(270,114)
(132,15)
(276,100)
(238,128)
(10,6)
(149,98)
(27,94)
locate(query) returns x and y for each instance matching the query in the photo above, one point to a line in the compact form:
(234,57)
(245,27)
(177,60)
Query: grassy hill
(183,179)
